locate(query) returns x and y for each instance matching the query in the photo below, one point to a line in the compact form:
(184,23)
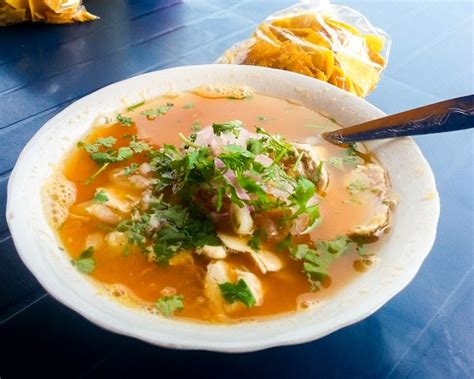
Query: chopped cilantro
(239,291)
(304,191)
(130,169)
(124,121)
(189,106)
(236,158)
(336,246)
(255,146)
(95,147)
(196,126)
(255,241)
(220,195)
(100,197)
(160,111)
(276,145)
(357,186)
(227,127)
(180,228)
(85,263)
(167,305)
(252,187)
(339,162)
(124,153)
(106,142)
(316,261)
(350,158)
(139,146)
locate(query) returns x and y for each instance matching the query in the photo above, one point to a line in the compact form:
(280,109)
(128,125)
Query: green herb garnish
(129,170)
(168,305)
(160,111)
(239,291)
(357,186)
(255,241)
(196,126)
(100,197)
(124,121)
(227,127)
(85,263)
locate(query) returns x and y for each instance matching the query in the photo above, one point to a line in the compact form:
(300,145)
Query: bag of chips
(328,42)
(49,11)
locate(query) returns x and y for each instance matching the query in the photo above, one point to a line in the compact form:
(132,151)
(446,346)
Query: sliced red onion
(218,163)
(300,224)
(264,160)
(241,194)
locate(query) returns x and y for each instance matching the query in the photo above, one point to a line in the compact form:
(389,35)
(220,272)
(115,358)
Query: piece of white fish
(265,260)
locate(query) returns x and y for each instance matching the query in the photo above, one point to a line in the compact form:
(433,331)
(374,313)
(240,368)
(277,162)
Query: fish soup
(219,206)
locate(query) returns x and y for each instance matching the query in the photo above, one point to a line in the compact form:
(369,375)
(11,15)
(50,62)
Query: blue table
(427,331)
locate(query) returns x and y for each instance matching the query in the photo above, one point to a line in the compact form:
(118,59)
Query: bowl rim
(22,244)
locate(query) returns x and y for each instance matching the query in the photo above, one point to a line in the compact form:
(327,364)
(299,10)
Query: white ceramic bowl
(409,242)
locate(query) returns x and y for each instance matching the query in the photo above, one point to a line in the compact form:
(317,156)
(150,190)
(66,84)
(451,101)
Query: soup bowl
(412,233)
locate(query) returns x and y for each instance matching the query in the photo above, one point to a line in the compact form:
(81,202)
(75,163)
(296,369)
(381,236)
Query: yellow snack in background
(48,11)
(313,43)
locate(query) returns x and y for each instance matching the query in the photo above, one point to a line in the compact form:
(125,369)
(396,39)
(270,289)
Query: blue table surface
(427,331)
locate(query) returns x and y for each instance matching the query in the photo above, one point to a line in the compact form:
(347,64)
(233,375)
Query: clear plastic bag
(49,11)
(333,43)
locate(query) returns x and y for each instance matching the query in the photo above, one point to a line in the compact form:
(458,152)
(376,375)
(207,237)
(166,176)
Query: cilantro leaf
(227,127)
(236,158)
(239,291)
(130,169)
(349,160)
(102,157)
(85,263)
(336,246)
(106,142)
(160,111)
(95,147)
(168,305)
(305,190)
(124,121)
(316,261)
(276,145)
(357,186)
(100,197)
(196,126)
(124,153)
(251,186)
(220,195)
(255,241)
(189,106)
(139,146)
(255,146)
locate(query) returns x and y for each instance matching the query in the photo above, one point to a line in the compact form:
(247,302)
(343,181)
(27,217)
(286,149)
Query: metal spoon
(446,116)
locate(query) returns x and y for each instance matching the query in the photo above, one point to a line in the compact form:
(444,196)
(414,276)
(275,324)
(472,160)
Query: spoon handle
(446,116)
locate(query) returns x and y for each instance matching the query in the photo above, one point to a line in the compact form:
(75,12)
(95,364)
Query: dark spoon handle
(446,116)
